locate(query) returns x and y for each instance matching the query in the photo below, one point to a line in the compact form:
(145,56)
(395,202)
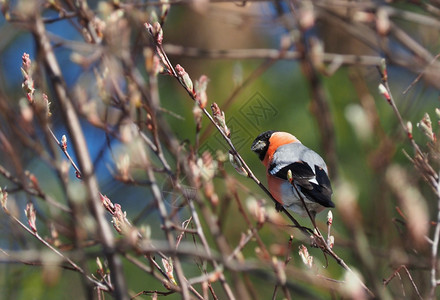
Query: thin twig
(434,248)
(396,273)
(81,150)
(57,252)
(414,82)
(32,191)
(205,244)
(276,54)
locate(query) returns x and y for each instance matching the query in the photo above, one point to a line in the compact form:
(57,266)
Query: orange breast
(274,184)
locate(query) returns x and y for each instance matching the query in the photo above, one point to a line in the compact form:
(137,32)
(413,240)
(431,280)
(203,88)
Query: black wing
(321,192)
(303,175)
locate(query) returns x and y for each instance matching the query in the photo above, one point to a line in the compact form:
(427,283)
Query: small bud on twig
(4,199)
(383,69)
(184,78)
(157,66)
(330,238)
(119,219)
(47,105)
(329,218)
(158,33)
(219,119)
(280,272)
(200,90)
(168,265)
(164,9)
(155,31)
(31,216)
(236,163)
(34,182)
(28,83)
(384,92)
(425,125)
(331,241)
(108,205)
(64,142)
(100,269)
(409,129)
(290,176)
(26,62)
(305,256)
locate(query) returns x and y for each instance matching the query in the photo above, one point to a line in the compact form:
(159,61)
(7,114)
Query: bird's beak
(258,146)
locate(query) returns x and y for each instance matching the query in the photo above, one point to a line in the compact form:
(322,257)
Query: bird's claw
(278,207)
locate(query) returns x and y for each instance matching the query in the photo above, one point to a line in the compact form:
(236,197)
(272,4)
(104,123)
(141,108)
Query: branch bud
(409,130)
(200,89)
(28,83)
(219,119)
(279,270)
(159,33)
(236,163)
(164,9)
(31,216)
(331,241)
(47,105)
(168,266)
(4,200)
(154,64)
(155,31)
(383,69)
(100,269)
(329,218)
(107,203)
(26,63)
(290,176)
(184,78)
(34,181)
(426,126)
(119,219)
(64,142)
(384,92)
(305,256)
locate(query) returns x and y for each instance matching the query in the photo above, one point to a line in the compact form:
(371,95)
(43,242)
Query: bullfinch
(281,152)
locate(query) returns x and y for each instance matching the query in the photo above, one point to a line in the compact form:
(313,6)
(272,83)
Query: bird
(280,152)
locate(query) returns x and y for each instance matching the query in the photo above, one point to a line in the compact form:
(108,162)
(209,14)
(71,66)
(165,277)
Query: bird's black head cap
(261,143)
